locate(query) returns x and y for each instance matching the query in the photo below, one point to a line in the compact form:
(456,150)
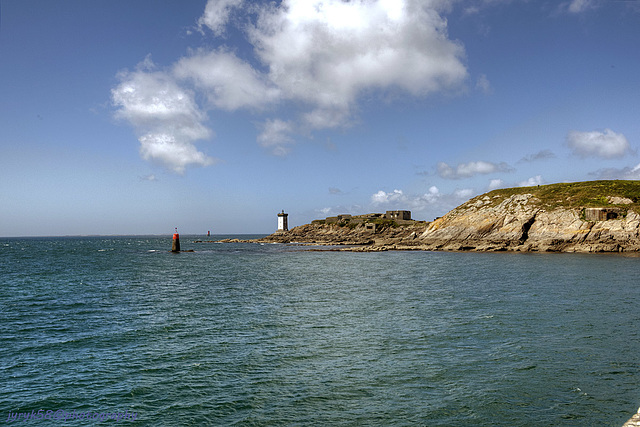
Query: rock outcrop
(527,221)
(348,234)
(633,421)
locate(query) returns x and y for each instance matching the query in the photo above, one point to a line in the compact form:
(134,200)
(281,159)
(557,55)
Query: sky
(135,117)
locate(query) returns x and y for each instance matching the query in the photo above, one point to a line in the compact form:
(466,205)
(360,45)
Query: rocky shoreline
(343,238)
(587,217)
(634,421)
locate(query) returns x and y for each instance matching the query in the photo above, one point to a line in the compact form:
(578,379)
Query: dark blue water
(249,334)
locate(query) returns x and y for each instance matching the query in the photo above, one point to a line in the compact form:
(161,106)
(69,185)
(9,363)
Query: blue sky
(137,117)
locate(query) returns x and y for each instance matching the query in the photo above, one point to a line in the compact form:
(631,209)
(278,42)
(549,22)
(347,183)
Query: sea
(121,330)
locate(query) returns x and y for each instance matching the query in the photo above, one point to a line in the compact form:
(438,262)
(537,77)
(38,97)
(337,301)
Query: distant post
(282,221)
(175,246)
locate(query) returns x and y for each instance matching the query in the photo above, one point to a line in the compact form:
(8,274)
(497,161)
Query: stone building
(401,215)
(601,214)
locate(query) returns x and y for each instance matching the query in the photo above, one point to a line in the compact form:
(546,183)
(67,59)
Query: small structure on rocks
(601,214)
(402,215)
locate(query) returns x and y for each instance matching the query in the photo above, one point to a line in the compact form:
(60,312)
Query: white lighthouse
(282,221)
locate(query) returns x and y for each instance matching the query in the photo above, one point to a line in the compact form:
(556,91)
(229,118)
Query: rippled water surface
(249,334)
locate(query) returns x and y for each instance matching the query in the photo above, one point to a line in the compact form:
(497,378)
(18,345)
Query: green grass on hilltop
(575,194)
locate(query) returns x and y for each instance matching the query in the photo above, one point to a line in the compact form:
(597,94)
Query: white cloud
(632,173)
(607,144)
(382,197)
(327,52)
(533,181)
(325,211)
(576,7)
(465,193)
(165,116)
(171,152)
(276,137)
(540,155)
(494,184)
(228,82)
(150,99)
(579,6)
(483,84)
(433,201)
(318,56)
(471,10)
(217,13)
(466,170)
(326,118)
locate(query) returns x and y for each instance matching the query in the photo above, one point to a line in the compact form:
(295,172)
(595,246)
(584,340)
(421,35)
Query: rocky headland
(594,216)
(370,232)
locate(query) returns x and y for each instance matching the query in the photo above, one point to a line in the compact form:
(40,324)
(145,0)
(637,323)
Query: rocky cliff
(598,216)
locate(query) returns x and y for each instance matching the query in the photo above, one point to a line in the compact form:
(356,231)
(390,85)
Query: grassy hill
(576,194)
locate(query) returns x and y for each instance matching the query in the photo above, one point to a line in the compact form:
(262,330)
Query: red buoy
(175,246)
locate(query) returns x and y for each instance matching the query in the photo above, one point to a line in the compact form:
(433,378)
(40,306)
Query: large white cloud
(326,53)
(165,116)
(467,170)
(607,144)
(315,57)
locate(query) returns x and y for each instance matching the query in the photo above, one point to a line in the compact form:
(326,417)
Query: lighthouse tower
(282,221)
